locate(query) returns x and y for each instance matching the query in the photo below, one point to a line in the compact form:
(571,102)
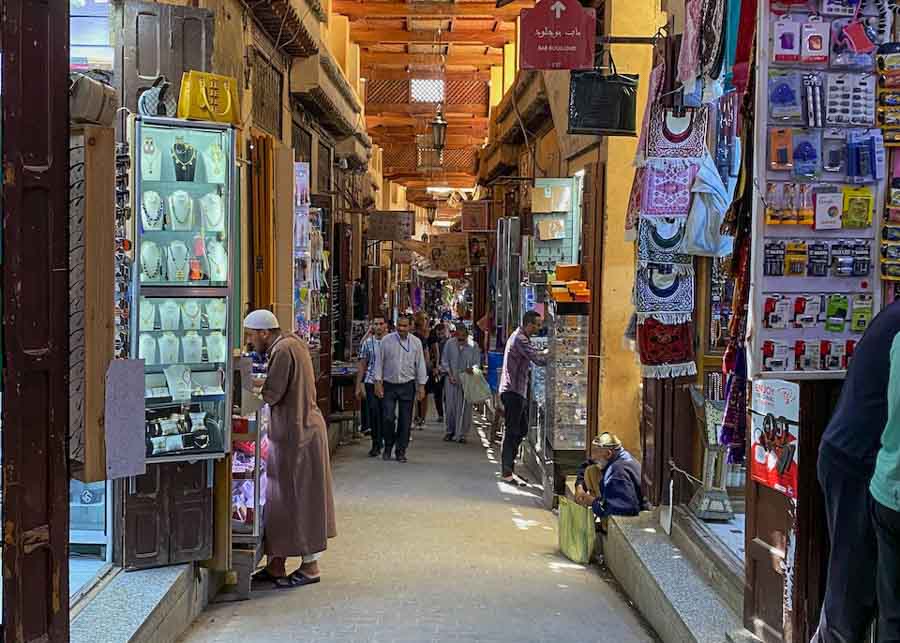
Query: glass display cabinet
(184,206)
(566,382)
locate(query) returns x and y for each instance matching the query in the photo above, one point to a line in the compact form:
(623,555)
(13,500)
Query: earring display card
(822,185)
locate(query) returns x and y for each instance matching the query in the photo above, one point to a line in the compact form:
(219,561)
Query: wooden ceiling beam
(387,73)
(365,35)
(400,59)
(375,120)
(360,10)
(428,109)
(392,136)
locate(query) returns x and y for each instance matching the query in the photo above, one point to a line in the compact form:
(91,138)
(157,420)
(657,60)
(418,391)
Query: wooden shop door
(35,303)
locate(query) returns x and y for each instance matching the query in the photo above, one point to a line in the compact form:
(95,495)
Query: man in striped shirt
(369,354)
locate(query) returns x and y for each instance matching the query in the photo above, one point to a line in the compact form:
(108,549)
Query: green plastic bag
(577,531)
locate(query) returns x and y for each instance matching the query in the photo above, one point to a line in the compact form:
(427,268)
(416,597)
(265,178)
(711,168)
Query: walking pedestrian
(846,463)
(461,355)
(885,490)
(436,351)
(299,510)
(421,332)
(518,355)
(369,354)
(400,377)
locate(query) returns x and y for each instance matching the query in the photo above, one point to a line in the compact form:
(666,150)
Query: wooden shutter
(160,40)
(35,305)
(262,189)
(146,520)
(190,503)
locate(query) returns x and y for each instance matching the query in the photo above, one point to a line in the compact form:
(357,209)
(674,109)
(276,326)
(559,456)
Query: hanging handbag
(157,100)
(91,101)
(603,104)
(209,97)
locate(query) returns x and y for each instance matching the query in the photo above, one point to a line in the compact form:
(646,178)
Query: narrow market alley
(434,550)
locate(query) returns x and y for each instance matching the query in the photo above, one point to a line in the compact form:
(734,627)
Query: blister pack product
(778,310)
(777,356)
(851,99)
(781,149)
(845,43)
(782,203)
(773,258)
(807,156)
(858,206)
(837,311)
(814,99)
(829,208)
(807,311)
(785,96)
(795,258)
(834,153)
(815,40)
(819,258)
(862,311)
(833,355)
(786,39)
(807,355)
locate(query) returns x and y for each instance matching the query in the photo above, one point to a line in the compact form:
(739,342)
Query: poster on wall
(775,418)
(476,216)
(390,226)
(478,250)
(449,251)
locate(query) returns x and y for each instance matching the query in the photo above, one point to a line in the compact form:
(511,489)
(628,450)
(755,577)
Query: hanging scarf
(660,242)
(712,38)
(734,425)
(663,295)
(657,79)
(689,54)
(745,47)
(664,143)
(667,187)
(666,350)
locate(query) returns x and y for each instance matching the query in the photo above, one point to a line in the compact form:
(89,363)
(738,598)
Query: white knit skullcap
(261,320)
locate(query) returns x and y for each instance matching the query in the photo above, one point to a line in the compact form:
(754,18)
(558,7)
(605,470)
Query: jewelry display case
(248,478)
(183,198)
(566,381)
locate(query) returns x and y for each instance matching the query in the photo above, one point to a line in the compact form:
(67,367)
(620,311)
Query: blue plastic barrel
(494,366)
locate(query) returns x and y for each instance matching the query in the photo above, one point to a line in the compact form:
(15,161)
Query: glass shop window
(90,44)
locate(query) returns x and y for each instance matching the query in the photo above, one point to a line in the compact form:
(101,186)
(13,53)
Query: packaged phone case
(815,40)
(786,39)
(785,96)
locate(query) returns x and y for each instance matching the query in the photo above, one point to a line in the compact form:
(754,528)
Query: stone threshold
(152,605)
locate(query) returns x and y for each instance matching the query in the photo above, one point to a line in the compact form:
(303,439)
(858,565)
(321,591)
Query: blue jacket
(620,490)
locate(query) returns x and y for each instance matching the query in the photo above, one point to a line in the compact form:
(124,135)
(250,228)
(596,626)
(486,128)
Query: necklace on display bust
(215,348)
(151,261)
(214,158)
(168,349)
(148,315)
(181,207)
(213,212)
(215,312)
(190,314)
(169,315)
(152,211)
(147,349)
(218,261)
(184,156)
(178,261)
(192,348)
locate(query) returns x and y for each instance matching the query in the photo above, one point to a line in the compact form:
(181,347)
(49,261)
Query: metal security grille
(426,90)
(267,86)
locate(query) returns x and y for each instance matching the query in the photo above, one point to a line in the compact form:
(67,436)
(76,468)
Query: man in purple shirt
(517,357)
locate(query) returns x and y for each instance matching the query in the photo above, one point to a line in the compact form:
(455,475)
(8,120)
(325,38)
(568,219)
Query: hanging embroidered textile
(664,295)
(666,350)
(633,213)
(667,187)
(657,78)
(734,426)
(660,241)
(690,143)
(712,38)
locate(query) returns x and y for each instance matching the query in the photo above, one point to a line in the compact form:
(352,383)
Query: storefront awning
(291,24)
(318,83)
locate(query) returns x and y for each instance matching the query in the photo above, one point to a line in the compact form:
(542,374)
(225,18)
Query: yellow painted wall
(497,87)
(509,65)
(339,40)
(620,379)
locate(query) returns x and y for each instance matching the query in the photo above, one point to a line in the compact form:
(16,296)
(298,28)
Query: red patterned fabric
(666,350)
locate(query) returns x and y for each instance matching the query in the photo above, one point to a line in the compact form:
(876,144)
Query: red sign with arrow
(558,34)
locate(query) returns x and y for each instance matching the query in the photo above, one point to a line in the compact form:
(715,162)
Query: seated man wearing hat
(610,481)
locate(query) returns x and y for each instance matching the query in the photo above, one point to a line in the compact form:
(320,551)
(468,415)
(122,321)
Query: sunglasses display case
(183,199)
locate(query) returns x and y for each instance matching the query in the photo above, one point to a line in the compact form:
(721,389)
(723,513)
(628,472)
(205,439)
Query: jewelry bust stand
(216,348)
(192,348)
(217,257)
(169,315)
(181,211)
(215,163)
(184,155)
(190,314)
(147,349)
(151,262)
(179,261)
(152,212)
(213,212)
(215,314)
(148,315)
(168,349)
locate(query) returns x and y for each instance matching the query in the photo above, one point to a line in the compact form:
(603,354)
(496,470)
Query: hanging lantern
(431,213)
(438,130)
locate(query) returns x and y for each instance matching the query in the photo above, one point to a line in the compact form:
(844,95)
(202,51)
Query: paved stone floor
(434,550)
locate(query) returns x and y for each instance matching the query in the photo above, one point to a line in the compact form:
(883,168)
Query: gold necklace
(177,155)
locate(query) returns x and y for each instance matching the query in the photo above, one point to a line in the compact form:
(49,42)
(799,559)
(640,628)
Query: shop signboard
(476,216)
(558,34)
(390,226)
(478,249)
(449,251)
(775,418)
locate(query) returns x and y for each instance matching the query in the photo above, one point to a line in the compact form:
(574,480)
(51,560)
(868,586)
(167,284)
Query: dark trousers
(437,387)
(375,416)
(397,423)
(849,605)
(516,429)
(887,532)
